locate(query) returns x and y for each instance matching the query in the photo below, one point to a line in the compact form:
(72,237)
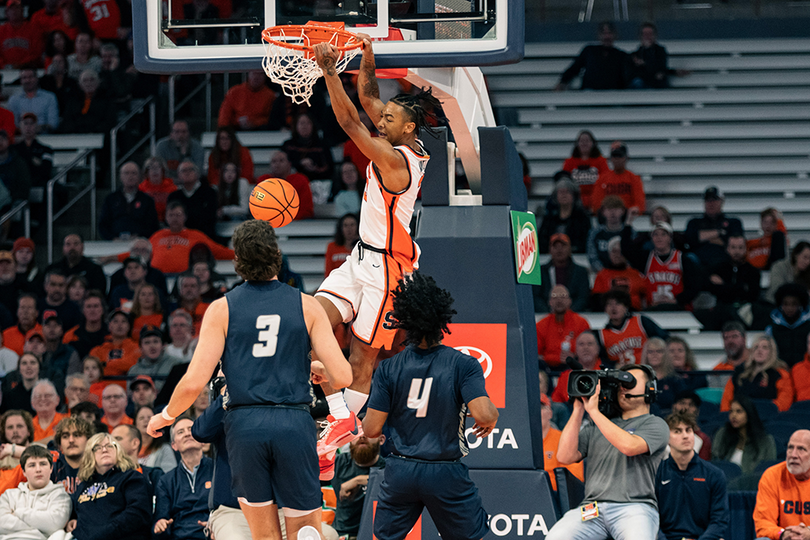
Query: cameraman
(624,455)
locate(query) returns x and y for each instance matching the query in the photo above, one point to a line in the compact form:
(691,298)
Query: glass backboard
(197,36)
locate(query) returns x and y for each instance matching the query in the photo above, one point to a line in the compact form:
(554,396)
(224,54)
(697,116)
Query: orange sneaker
(327,464)
(336,433)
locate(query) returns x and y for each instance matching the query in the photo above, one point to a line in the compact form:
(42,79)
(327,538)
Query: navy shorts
(272,455)
(444,488)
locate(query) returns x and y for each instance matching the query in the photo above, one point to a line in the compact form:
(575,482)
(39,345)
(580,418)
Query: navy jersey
(265,359)
(425,393)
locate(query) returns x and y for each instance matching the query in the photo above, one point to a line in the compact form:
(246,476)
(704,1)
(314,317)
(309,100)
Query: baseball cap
(619,151)
(50,318)
(30,115)
(13,3)
(34,333)
(21,242)
(6,256)
(664,226)
(150,330)
(544,400)
(712,193)
(133,258)
(118,311)
(559,237)
(146,379)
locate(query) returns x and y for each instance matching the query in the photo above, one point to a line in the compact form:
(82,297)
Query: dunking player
(423,394)
(262,330)
(360,290)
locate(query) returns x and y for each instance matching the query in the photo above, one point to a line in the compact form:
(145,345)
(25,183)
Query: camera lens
(585,386)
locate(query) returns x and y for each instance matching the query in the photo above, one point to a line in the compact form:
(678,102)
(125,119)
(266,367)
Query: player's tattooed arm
(329,65)
(326,55)
(368,67)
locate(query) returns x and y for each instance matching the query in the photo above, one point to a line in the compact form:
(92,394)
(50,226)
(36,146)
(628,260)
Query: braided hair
(420,108)
(422,309)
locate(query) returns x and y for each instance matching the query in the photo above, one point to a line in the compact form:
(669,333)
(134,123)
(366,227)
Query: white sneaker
(309,533)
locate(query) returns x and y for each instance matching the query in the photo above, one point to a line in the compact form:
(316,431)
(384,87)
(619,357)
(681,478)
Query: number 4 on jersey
(418,397)
(268,336)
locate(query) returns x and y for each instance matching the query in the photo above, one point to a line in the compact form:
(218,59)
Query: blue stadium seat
(731,470)
(766,408)
(762,466)
(798,417)
(803,406)
(781,432)
(709,410)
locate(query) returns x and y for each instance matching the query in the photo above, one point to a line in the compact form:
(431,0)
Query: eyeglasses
(100,447)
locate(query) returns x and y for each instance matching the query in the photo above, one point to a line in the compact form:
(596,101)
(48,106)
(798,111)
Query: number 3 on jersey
(268,335)
(419,397)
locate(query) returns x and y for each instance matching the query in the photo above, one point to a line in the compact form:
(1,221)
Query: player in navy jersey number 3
(424,394)
(262,331)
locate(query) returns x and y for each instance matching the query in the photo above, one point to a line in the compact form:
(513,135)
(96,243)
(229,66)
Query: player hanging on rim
(262,331)
(359,291)
(424,394)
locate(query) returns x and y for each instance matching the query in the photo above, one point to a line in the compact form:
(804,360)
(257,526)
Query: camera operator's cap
(150,330)
(133,258)
(664,226)
(559,237)
(619,151)
(6,256)
(142,379)
(544,400)
(713,193)
(30,115)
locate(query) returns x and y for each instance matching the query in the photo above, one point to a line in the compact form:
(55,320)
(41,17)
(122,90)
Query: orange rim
(314,33)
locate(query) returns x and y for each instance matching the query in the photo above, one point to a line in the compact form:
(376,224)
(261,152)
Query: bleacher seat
(800,406)
(709,410)
(762,466)
(731,470)
(765,408)
(781,431)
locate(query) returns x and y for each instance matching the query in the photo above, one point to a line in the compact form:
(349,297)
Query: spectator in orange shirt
(781,511)
(119,352)
(734,345)
(247,106)
(20,42)
(228,149)
(157,185)
(763,376)
(772,245)
(171,246)
(146,309)
(557,331)
(281,167)
(45,400)
(587,355)
(114,404)
(619,276)
(50,19)
(347,233)
(27,315)
(801,376)
(620,182)
(551,438)
(586,165)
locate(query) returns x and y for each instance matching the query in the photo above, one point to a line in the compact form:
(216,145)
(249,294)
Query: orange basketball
(274,200)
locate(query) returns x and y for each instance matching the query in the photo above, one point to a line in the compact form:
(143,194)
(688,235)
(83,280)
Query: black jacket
(576,226)
(576,280)
(201,209)
(654,71)
(138,218)
(741,283)
(606,68)
(93,272)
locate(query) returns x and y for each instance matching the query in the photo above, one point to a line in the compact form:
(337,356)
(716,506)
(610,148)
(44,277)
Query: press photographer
(624,454)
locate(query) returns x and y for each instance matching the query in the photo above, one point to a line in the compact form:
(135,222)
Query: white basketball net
(296,70)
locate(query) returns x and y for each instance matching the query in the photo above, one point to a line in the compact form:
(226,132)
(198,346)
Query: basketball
(274,200)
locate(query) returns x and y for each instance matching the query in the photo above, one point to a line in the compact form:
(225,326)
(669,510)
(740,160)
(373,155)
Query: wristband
(13,449)
(165,415)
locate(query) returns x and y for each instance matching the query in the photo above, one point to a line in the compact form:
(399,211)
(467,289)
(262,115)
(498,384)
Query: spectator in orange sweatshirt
(783,498)
(762,376)
(801,376)
(620,182)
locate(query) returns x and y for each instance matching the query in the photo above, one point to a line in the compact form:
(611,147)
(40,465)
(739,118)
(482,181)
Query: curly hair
(422,309)
(420,108)
(257,255)
(82,427)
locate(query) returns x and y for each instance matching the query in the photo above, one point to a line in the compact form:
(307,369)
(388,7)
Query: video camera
(582,383)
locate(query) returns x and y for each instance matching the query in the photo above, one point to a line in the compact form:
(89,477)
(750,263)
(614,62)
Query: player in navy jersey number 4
(262,331)
(424,394)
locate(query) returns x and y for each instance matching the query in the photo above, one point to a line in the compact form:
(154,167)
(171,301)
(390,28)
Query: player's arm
(209,350)
(367,87)
(374,422)
(377,149)
(337,369)
(485,414)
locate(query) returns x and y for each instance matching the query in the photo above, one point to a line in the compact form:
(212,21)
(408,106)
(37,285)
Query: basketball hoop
(290,62)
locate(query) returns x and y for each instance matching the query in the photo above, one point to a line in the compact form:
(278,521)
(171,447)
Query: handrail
(173,108)
(91,188)
(115,161)
(23,207)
